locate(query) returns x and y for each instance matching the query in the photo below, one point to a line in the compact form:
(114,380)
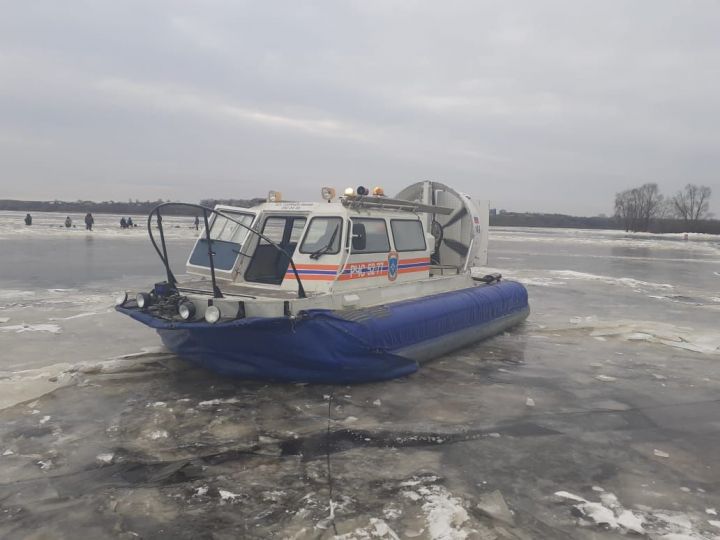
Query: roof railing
(362,201)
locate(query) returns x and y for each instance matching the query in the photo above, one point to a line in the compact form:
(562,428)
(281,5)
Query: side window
(370,236)
(274,229)
(297,228)
(408,235)
(324,234)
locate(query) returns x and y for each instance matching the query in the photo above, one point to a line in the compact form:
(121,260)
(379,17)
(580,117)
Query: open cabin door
(461,237)
(268,265)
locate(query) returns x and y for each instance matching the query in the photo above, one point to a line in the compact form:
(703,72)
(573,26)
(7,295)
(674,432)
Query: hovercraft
(352,289)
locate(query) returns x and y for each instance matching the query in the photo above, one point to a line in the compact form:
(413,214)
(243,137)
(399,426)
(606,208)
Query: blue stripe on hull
(324,347)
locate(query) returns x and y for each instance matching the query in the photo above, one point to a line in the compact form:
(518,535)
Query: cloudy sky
(538,106)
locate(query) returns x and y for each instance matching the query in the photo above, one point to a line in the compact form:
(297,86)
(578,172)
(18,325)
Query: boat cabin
(356,242)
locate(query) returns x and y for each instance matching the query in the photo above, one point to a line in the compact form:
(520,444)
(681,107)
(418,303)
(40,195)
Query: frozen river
(597,418)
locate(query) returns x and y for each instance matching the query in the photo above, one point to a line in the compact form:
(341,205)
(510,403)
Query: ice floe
(624,281)
(610,514)
(680,337)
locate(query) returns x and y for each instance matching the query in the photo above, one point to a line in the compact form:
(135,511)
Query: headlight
(186,310)
(212,314)
(120,299)
(143,300)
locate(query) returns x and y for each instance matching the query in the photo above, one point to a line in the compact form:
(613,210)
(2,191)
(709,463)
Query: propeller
(458,247)
(456,216)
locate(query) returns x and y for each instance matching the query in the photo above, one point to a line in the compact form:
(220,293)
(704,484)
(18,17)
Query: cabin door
(268,264)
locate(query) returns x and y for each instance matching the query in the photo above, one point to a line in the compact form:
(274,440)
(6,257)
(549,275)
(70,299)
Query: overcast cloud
(538,106)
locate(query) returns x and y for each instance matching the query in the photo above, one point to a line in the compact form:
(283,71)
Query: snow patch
(78,316)
(444,514)
(376,528)
(21,328)
(105,459)
(609,514)
(228,496)
(216,402)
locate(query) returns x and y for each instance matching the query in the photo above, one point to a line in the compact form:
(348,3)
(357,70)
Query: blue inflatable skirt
(349,346)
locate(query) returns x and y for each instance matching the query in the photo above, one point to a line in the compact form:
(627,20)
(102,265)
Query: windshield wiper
(316,254)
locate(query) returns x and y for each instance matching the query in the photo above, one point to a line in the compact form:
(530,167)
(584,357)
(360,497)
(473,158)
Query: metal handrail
(172,281)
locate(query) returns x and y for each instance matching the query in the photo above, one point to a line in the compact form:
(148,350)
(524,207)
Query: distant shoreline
(562,221)
(505,219)
(116,207)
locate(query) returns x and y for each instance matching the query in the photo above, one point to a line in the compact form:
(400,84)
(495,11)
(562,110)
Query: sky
(549,106)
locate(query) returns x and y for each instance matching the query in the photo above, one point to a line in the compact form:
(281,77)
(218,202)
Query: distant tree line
(639,209)
(663,225)
(131,207)
(241,203)
(562,221)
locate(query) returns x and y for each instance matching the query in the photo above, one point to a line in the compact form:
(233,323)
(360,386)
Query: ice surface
(139,442)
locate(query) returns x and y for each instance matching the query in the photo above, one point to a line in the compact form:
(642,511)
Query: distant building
(493,211)
(503,211)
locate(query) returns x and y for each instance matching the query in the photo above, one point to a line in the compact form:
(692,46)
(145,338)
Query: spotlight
(143,300)
(212,314)
(186,310)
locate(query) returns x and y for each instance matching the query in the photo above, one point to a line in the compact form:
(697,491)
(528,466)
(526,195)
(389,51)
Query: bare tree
(692,203)
(625,209)
(637,207)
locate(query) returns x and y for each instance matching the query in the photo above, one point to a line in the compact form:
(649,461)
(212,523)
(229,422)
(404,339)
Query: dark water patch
(319,444)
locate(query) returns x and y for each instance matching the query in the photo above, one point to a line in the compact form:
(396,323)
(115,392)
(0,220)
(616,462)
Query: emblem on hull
(392,265)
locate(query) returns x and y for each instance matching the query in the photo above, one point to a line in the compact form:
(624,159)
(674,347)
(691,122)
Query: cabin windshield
(227,237)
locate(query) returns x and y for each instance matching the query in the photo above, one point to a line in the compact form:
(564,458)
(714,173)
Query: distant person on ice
(68,222)
(123,223)
(130,222)
(89,220)
(197,223)
(28,219)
